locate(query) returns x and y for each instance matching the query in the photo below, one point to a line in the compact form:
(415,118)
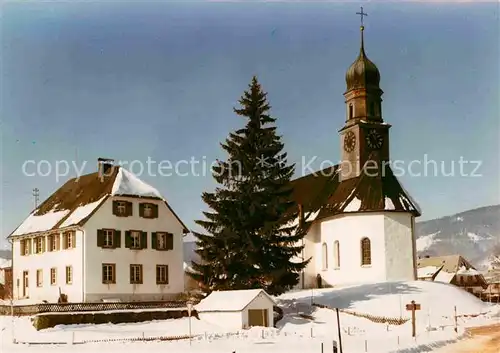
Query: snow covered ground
(294,333)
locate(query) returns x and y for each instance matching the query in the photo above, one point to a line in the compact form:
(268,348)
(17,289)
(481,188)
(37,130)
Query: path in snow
(484,339)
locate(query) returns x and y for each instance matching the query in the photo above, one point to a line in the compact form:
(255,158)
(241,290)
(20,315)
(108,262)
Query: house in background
(453,269)
(104,235)
(5,279)
(237,309)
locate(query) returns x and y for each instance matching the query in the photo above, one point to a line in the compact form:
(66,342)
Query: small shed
(237,309)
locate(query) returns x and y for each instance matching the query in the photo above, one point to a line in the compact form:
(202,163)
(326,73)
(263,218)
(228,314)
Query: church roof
(324,192)
(75,202)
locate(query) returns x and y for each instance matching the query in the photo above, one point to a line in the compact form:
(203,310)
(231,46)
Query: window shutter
(117,241)
(154,241)
(115,207)
(131,274)
(100,238)
(166,274)
(65,241)
(144,240)
(102,274)
(22,246)
(170,241)
(73,240)
(58,241)
(155,210)
(129,208)
(128,239)
(141,210)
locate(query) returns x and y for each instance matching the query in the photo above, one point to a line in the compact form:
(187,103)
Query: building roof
(322,195)
(446,268)
(230,300)
(5,263)
(75,202)
(450,263)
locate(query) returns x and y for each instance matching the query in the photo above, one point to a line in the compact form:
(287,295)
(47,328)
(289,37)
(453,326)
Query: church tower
(364,137)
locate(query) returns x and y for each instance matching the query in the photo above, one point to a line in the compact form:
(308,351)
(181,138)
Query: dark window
(366,252)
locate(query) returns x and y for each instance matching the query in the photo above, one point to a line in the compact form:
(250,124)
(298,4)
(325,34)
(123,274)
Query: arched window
(325,256)
(366,252)
(351,111)
(336,253)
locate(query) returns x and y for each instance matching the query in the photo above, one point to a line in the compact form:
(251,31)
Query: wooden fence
(28,310)
(373,318)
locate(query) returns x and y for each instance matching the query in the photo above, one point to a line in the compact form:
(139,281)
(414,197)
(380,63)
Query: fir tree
(250,242)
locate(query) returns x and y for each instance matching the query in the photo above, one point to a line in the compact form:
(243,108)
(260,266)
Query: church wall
(308,277)
(349,230)
(312,241)
(399,247)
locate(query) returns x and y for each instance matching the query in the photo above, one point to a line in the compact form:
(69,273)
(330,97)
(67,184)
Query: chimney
(105,167)
(301,215)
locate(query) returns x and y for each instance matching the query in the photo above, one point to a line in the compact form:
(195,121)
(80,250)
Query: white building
(237,309)
(359,218)
(105,235)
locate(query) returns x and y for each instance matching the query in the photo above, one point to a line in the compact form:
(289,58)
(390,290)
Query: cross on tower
(362,14)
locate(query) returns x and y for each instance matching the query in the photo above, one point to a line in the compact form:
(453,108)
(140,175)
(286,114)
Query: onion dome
(363,73)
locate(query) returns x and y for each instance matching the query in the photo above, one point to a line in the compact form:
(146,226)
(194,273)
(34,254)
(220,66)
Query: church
(360,221)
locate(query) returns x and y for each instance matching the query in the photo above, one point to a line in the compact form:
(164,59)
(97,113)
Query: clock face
(349,141)
(374,139)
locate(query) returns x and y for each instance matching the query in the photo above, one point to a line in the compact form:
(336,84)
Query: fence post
(456,319)
(321,347)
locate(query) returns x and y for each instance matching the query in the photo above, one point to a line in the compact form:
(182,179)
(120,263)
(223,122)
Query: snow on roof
(231,300)
(40,223)
(407,196)
(463,271)
(73,202)
(81,213)
(4,263)
(427,271)
(127,183)
(389,205)
(444,277)
(353,206)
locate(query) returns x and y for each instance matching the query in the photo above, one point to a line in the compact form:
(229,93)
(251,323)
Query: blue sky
(136,80)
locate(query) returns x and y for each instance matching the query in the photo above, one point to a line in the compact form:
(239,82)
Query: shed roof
(230,300)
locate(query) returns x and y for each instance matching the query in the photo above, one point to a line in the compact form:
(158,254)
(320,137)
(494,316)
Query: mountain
(474,234)
(5,254)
